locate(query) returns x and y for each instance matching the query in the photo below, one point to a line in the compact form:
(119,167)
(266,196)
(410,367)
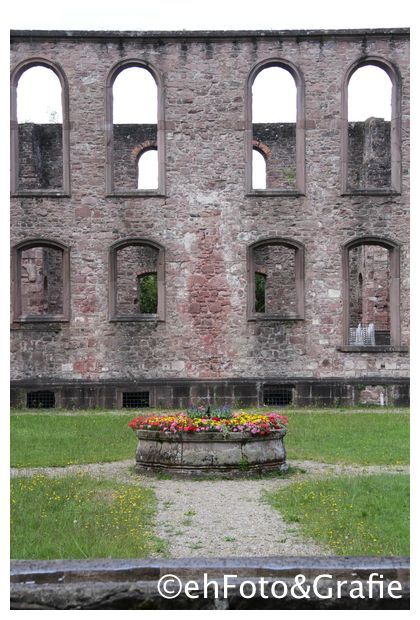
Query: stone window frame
(394,75)
(17,250)
(118,68)
(160,270)
(299,249)
(14,138)
(394,294)
(297,75)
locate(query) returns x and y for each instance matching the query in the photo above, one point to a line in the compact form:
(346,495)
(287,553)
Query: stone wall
(277,142)
(42,281)
(132,261)
(369,154)
(277,263)
(205,220)
(129,141)
(40,156)
(369,286)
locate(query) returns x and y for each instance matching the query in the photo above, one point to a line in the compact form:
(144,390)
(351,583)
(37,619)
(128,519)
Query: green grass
(364,438)
(79,517)
(330,436)
(360,515)
(54,440)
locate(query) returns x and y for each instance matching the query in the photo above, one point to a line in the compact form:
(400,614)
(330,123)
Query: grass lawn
(78,517)
(359,515)
(371,438)
(54,440)
(330,436)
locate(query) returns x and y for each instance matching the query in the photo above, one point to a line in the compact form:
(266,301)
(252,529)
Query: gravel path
(220,517)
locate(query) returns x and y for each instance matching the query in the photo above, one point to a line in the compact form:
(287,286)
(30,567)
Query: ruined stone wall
(42,281)
(129,141)
(277,263)
(132,261)
(40,156)
(369,154)
(205,220)
(277,141)
(369,286)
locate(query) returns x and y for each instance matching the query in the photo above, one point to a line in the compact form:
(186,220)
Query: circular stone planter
(210,454)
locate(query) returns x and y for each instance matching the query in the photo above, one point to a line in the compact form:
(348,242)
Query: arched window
(41,281)
(371,293)
(275,128)
(147,169)
(40,129)
(137,287)
(276,279)
(135,139)
(371,132)
(259,169)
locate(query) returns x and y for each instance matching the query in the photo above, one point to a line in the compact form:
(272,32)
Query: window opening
(134,105)
(275,280)
(147,167)
(41,281)
(369,129)
(259,170)
(278,395)
(274,111)
(137,281)
(147,293)
(369,295)
(40,130)
(134,400)
(260,291)
(42,399)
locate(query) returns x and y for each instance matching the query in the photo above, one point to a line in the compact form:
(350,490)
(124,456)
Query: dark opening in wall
(40,400)
(133,400)
(278,395)
(181,391)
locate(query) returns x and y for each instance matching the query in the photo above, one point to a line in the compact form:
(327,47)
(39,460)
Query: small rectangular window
(278,395)
(40,400)
(134,400)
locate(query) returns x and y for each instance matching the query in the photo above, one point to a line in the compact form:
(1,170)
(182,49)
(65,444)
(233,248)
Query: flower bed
(195,444)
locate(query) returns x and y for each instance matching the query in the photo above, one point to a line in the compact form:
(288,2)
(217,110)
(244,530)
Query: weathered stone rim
(207,436)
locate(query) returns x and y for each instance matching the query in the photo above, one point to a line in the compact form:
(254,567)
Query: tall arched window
(276,279)
(371,131)
(371,269)
(137,281)
(40,129)
(135,139)
(275,128)
(41,281)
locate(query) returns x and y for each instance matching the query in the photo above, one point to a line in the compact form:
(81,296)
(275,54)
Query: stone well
(208,453)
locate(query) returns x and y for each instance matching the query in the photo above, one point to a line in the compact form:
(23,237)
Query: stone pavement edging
(133,584)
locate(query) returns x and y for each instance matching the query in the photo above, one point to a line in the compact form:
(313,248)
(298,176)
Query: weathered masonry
(197,248)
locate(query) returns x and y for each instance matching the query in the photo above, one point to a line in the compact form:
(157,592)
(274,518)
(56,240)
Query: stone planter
(210,453)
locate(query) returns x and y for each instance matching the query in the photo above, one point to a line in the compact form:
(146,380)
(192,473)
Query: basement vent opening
(134,400)
(278,395)
(40,400)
